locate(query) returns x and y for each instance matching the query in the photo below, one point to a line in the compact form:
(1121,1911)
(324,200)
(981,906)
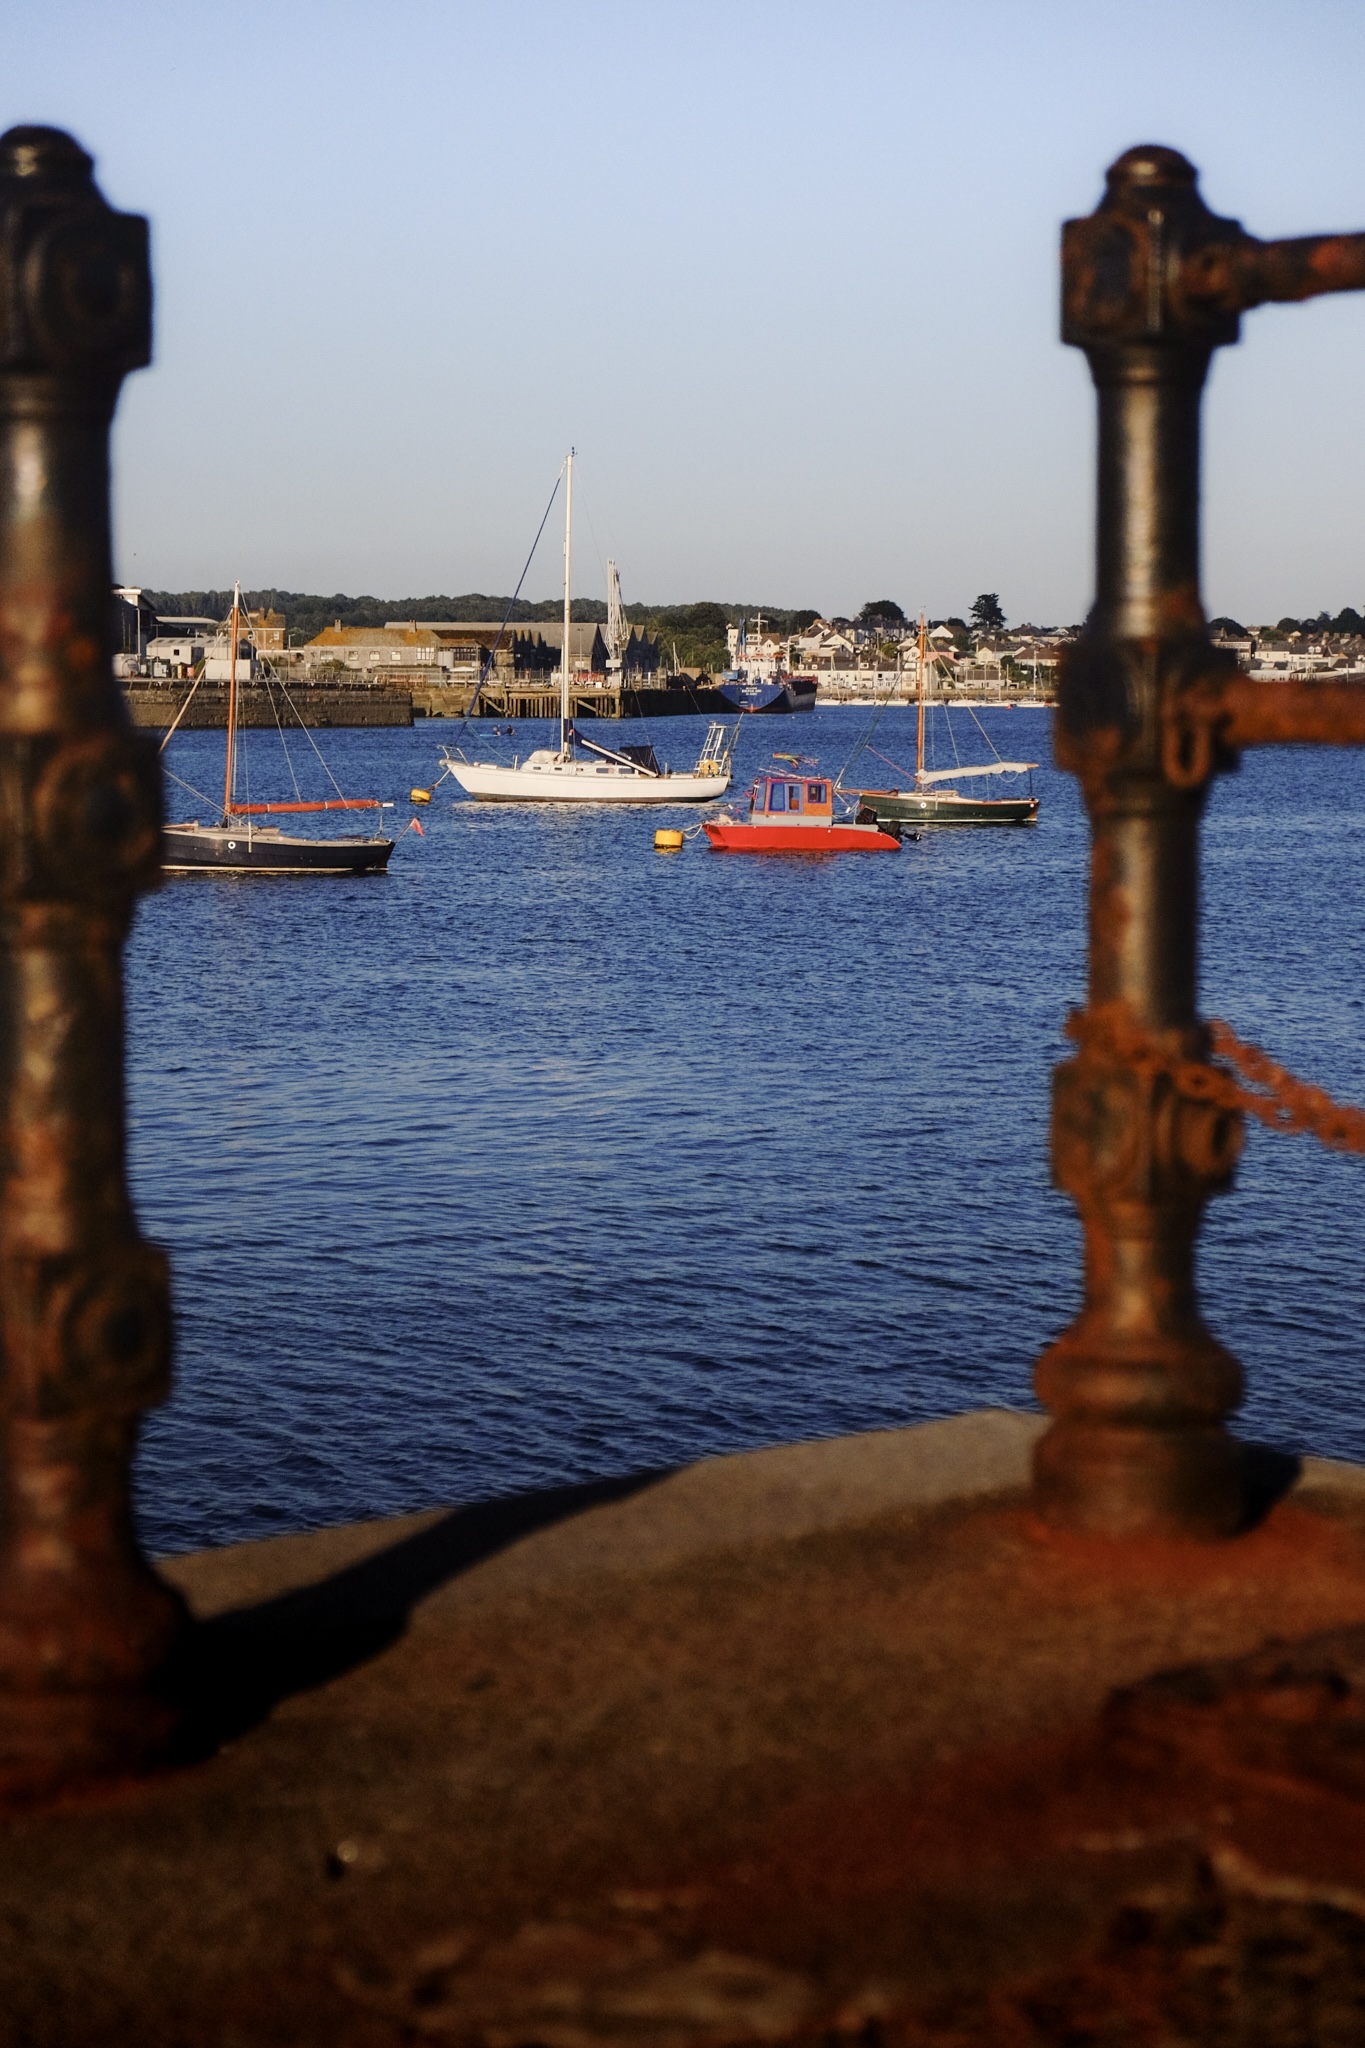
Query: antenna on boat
(568,577)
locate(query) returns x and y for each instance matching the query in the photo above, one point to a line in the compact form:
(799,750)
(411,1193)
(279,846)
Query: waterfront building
(164,647)
(134,626)
(397,649)
(457,651)
(267,631)
(639,657)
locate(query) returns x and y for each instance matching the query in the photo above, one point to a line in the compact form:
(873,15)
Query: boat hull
(911,807)
(781,693)
(672,700)
(737,837)
(583,783)
(242,850)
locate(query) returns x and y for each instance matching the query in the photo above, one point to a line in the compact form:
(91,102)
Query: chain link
(1277,1098)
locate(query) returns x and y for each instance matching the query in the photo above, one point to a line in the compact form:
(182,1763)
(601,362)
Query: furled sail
(990,768)
(331,803)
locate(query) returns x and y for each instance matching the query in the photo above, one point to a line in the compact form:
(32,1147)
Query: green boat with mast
(932,799)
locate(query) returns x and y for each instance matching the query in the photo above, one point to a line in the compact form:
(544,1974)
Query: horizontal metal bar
(1298,711)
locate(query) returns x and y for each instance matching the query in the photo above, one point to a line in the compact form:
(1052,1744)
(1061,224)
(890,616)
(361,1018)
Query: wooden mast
(232,698)
(568,570)
(919,717)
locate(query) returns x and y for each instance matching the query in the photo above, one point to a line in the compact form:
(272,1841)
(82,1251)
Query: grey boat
(243,848)
(237,845)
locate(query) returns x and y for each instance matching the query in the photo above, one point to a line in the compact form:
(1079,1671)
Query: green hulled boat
(923,806)
(929,800)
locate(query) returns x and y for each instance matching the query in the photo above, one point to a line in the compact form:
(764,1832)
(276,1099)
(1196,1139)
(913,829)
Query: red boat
(793,812)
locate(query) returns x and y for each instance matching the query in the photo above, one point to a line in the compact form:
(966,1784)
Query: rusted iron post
(1152,283)
(85,1626)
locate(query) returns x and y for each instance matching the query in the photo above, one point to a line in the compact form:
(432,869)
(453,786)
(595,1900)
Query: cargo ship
(767,693)
(759,681)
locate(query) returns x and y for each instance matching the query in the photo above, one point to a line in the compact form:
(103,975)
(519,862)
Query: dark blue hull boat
(775,693)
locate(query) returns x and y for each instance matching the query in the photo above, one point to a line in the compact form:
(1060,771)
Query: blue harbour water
(545,1156)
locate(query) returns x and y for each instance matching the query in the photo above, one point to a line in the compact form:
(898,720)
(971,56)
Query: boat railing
(718,749)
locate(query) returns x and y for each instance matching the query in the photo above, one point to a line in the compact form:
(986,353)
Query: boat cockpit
(776,799)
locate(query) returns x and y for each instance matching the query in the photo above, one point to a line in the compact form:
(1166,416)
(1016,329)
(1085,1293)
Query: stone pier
(156,709)
(831,1743)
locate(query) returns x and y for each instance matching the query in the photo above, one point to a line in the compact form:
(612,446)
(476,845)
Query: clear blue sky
(785,274)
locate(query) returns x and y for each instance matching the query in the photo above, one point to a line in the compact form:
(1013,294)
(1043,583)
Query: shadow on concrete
(238,1666)
(1268,1475)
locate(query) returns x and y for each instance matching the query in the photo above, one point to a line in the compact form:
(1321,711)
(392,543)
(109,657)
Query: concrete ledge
(656,1523)
(816,1743)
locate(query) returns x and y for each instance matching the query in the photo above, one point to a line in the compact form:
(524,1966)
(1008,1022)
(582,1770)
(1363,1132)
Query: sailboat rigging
(613,775)
(930,801)
(235,847)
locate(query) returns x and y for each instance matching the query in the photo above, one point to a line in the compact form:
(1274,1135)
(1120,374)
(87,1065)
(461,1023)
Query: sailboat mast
(232,697)
(568,573)
(919,713)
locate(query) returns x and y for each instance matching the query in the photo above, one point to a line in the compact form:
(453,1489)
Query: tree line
(1348,620)
(695,632)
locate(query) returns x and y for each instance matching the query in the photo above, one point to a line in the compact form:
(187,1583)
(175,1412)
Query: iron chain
(1275,1097)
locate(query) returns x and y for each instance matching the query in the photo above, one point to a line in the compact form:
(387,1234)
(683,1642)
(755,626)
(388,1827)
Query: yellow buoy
(419,796)
(668,842)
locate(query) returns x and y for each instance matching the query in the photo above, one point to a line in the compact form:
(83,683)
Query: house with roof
(822,648)
(457,651)
(267,631)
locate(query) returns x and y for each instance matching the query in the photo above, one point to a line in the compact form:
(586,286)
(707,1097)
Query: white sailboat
(579,770)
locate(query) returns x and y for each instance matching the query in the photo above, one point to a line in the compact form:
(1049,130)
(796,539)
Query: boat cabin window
(777,796)
(793,796)
(815,793)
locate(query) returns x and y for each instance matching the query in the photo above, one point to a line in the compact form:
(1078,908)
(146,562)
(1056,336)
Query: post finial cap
(1151,164)
(75,282)
(47,153)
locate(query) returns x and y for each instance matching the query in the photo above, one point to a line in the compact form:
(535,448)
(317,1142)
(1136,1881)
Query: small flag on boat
(414,826)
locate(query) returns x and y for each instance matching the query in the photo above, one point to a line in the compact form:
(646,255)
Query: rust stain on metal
(86,1629)
(1149,711)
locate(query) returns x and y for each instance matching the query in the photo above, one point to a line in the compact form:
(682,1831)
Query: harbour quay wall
(538,697)
(441,700)
(208,708)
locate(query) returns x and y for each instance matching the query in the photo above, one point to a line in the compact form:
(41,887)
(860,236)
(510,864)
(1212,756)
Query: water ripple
(545,1156)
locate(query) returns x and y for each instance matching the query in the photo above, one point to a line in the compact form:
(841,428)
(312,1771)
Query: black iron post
(1140,1390)
(85,1626)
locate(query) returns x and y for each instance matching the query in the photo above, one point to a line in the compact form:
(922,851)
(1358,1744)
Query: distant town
(435,652)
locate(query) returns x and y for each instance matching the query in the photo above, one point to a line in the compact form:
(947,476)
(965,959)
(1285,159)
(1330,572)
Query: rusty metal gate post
(1152,283)
(85,1626)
